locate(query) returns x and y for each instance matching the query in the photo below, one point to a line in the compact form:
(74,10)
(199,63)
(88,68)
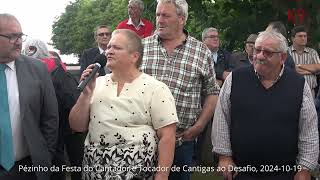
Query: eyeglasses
(212,37)
(266,53)
(14,37)
(104,34)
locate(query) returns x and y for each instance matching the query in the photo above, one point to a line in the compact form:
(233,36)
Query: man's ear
(283,57)
(182,19)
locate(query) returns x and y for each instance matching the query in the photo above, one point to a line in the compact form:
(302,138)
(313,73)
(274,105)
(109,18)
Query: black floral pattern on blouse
(120,161)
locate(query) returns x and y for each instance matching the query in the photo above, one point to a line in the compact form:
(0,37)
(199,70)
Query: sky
(36,18)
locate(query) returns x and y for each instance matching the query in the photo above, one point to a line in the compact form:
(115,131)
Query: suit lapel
(97,51)
(21,71)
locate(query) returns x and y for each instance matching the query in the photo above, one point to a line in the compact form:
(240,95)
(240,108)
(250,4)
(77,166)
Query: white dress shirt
(19,142)
(215,56)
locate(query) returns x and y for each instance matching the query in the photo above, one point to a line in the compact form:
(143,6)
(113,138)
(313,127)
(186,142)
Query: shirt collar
(131,23)
(11,65)
(100,50)
(274,81)
(248,58)
(158,39)
(214,56)
(304,50)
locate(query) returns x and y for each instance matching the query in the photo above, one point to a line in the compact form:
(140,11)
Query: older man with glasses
(14,37)
(102,35)
(265,123)
(220,57)
(28,109)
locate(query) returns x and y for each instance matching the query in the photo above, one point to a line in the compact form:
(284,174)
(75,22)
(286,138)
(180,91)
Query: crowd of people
(149,108)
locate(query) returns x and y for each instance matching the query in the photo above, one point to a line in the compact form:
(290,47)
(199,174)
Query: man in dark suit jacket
(102,35)
(31,108)
(220,57)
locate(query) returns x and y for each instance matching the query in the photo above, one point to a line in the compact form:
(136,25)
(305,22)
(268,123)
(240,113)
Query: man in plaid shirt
(183,63)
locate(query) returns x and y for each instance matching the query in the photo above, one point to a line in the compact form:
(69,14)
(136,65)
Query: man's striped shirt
(309,56)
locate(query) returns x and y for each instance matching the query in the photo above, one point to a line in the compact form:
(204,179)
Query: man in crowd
(142,27)
(29,110)
(240,59)
(183,63)
(279,27)
(220,57)
(306,59)
(261,120)
(102,35)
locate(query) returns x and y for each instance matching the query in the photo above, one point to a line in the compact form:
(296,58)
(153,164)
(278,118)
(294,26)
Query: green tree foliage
(73,31)
(235,19)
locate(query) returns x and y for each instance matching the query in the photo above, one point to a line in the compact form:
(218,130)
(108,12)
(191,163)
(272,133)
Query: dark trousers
(183,159)
(16,174)
(75,148)
(74,144)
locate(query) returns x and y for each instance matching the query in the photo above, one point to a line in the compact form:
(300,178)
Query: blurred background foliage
(235,19)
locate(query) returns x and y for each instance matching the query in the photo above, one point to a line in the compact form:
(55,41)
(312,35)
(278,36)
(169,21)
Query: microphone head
(101,59)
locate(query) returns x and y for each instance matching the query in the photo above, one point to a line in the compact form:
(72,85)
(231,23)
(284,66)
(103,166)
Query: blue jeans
(183,159)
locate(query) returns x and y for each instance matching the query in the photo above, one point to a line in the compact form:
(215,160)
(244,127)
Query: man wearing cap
(239,59)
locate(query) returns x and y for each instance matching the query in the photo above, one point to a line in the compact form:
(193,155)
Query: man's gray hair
(99,27)
(283,46)
(206,30)
(138,3)
(4,18)
(181,7)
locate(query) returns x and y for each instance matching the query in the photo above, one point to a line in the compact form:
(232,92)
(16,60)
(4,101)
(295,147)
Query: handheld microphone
(100,61)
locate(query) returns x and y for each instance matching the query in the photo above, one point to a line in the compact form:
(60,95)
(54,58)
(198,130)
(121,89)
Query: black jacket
(222,63)
(88,57)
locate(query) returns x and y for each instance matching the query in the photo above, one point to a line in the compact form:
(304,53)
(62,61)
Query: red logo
(296,16)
